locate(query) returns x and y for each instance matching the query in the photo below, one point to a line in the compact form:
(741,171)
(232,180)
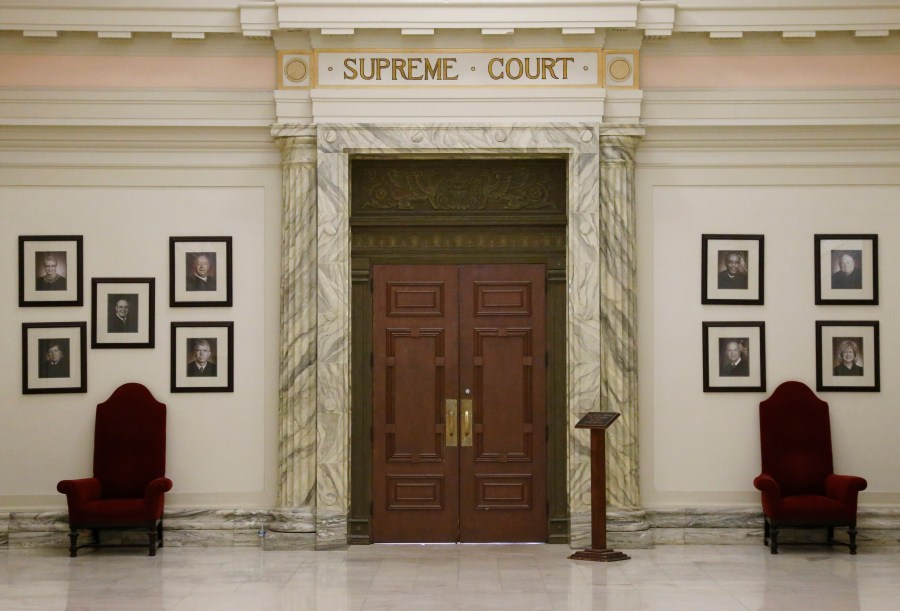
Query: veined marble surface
(185,527)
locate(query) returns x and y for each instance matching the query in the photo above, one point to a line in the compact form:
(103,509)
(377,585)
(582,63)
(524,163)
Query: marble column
(618,323)
(293,524)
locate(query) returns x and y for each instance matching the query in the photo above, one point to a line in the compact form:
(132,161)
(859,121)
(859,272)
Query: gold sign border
(601,66)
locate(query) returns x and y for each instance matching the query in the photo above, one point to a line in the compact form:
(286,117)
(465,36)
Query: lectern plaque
(597,420)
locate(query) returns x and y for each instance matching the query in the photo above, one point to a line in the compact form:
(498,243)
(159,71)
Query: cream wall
(788,184)
(126,191)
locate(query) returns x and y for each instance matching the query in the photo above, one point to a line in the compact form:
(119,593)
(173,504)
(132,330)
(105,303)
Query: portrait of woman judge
(734,353)
(122,313)
(733,269)
(847,356)
(201,357)
(50,269)
(53,358)
(846,269)
(201,271)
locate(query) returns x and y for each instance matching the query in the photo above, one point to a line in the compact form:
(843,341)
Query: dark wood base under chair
(599,555)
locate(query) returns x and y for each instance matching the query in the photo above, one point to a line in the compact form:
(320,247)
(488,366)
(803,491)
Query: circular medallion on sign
(619,69)
(296,70)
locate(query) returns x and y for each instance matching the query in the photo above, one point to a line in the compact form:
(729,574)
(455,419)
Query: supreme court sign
(437,68)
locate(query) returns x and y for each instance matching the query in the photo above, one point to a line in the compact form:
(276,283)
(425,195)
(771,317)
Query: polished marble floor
(438,577)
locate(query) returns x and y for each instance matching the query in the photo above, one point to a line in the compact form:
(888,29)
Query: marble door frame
(335,144)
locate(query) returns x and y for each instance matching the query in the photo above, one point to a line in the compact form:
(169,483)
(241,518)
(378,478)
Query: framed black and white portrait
(847,356)
(734,356)
(846,269)
(123,313)
(54,357)
(202,357)
(732,269)
(50,270)
(200,271)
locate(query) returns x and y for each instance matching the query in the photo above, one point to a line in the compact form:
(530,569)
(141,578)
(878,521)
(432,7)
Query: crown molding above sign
(195,19)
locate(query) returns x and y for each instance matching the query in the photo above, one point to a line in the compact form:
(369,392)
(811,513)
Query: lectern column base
(599,555)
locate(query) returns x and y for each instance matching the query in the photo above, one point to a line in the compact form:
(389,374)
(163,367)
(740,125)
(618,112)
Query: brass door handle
(450,422)
(466,423)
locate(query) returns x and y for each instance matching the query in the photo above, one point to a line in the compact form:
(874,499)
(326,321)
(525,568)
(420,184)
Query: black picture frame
(835,284)
(54,357)
(836,371)
(746,285)
(123,312)
(45,256)
(720,341)
(186,289)
(219,340)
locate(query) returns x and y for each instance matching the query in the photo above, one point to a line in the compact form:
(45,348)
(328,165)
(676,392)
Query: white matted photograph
(846,269)
(847,356)
(734,356)
(54,357)
(732,269)
(123,312)
(50,270)
(200,271)
(202,357)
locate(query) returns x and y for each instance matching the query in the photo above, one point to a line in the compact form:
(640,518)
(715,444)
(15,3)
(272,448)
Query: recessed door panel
(459,407)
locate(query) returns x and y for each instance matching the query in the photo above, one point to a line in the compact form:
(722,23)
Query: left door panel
(415,364)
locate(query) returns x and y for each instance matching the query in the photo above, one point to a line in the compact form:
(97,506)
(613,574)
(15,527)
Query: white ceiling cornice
(196,18)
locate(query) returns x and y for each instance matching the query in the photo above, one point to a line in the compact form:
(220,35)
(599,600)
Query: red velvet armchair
(126,492)
(798,484)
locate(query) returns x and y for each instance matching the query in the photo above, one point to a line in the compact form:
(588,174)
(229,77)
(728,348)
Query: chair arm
(80,491)
(771,493)
(767,485)
(155,489)
(844,488)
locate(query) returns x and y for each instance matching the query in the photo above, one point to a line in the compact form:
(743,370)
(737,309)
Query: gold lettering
(350,72)
(362,69)
(432,71)
(398,66)
(565,61)
(448,65)
(383,64)
(498,60)
(515,61)
(547,64)
(414,63)
(537,70)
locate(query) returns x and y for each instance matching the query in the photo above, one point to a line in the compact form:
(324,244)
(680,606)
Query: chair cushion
(119,511)
(812,509)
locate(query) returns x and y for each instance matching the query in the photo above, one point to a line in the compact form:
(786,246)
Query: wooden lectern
(598,422)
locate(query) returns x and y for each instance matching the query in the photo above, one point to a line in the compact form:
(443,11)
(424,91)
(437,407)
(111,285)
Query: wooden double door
(459,403)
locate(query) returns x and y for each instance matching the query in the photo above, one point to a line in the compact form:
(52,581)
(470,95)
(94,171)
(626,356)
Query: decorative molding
(771,107)
(488,186)
(261,19)
(127,107)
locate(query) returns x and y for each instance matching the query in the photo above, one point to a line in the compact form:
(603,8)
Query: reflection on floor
(436,577)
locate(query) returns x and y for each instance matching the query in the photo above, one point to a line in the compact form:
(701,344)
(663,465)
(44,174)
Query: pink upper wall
(102,72)
(772,71)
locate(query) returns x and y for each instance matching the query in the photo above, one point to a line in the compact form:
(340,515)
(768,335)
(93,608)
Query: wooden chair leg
(765,531)
(151,539)
(852,533)
(159,533)
(73,542)
(774,533)
(95,536)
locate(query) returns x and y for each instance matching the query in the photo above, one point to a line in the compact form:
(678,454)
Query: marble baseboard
(625,529)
